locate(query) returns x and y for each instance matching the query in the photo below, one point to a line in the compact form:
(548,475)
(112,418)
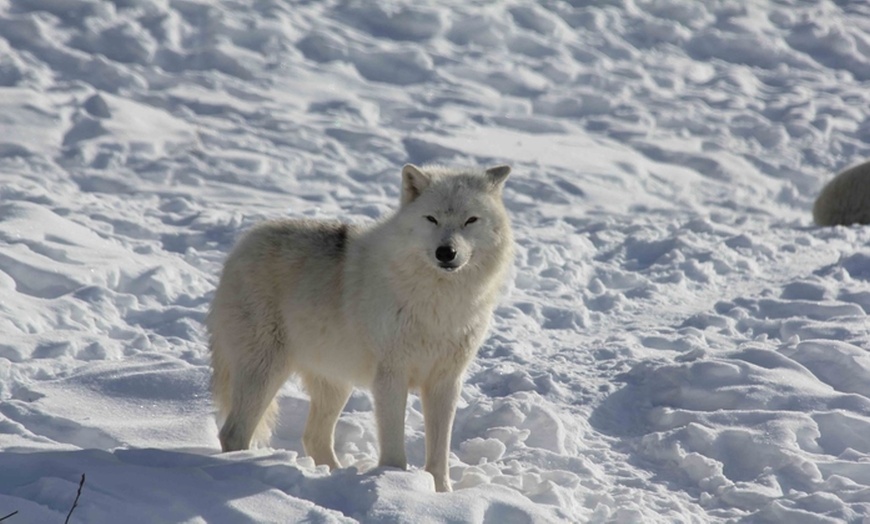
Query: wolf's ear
(497,175)
(414,182)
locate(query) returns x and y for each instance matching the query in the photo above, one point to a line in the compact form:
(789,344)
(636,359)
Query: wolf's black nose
(445,254)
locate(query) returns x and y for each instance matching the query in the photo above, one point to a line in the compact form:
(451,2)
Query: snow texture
(679,343)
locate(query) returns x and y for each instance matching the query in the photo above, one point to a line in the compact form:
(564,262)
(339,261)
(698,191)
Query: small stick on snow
(76,501)
(9,515)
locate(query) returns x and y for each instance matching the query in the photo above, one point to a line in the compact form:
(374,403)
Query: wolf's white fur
(376,307)
(845,199)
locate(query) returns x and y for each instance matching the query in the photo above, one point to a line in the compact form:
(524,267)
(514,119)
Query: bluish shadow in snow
(171,486)
(621,414)
(146,486)
(155,486)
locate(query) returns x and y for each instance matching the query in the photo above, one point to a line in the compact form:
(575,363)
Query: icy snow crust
(679,343)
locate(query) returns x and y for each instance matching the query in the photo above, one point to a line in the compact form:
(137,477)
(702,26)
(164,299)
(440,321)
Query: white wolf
(401,304)
(845,199)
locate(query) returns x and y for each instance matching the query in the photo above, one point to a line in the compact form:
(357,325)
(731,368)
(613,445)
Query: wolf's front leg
(390,391)
(439,397)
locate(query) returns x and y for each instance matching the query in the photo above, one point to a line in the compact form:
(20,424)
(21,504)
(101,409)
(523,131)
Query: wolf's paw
(442,485)
(441,480)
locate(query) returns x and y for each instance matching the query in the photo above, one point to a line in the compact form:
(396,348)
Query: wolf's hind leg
(255,383)
(327,400)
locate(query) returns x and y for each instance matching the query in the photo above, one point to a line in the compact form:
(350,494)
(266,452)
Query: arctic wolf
(846,198)
(401,304)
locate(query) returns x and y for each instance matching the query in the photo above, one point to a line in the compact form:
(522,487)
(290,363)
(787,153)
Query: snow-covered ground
(679,344)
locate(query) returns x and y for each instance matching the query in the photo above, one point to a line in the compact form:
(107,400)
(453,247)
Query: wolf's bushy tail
(222,380)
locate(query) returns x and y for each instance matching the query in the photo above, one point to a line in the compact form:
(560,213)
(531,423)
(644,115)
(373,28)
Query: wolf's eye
(471,220)
(430,218)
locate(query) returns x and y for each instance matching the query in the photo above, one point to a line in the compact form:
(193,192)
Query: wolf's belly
(326,348)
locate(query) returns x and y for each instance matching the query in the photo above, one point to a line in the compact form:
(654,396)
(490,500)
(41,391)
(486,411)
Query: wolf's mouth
(448,267)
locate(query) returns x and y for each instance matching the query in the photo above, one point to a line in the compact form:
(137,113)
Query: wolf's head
(454,218)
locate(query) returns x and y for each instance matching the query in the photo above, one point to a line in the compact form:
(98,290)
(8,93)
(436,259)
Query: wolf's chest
(442,326)
(431,340)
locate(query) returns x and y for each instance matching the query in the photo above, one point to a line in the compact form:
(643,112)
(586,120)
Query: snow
(679,342)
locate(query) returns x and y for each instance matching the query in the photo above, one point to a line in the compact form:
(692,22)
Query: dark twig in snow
(76,501)
(9,515)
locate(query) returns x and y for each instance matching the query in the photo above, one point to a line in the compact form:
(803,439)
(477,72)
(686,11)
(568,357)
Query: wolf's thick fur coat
(402,304)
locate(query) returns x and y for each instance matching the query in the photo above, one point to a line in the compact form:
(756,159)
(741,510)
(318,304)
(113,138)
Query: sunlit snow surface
(679,342)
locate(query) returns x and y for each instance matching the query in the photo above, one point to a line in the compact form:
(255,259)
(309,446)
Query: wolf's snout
(445,254)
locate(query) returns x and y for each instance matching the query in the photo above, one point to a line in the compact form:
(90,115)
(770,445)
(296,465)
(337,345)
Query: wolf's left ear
(497,175)
(414,182)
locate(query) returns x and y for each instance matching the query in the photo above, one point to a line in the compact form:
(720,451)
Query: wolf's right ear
(414,182)
(498,174)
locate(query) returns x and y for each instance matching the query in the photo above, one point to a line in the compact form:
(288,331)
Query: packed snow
(679,342)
